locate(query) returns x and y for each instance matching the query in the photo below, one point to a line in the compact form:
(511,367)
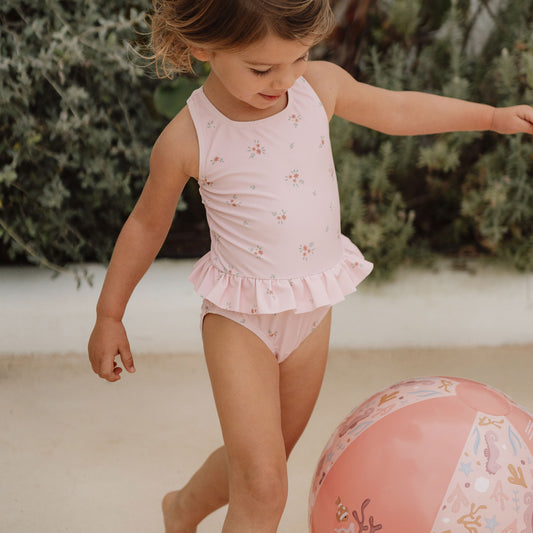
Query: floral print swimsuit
(270,192)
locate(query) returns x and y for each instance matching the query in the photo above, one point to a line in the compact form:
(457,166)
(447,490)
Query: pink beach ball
(428,455)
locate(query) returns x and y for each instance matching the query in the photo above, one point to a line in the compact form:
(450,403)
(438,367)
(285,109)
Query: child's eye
(260,72)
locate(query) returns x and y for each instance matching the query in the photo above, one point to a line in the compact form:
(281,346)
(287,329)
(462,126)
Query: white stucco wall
(493,306)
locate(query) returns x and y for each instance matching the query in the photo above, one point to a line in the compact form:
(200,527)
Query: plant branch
(29,250)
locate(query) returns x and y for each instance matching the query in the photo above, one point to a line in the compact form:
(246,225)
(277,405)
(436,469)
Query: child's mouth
(271,98)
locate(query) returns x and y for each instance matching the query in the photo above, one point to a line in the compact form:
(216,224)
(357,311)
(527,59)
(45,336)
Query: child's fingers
(516,119)
(523,120)
(108,340)
(108,369)
(116,369)
(127,358)
(525,113)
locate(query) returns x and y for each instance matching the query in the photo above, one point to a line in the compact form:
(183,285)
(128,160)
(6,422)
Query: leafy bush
(460,194)
(76,126)
(78,117)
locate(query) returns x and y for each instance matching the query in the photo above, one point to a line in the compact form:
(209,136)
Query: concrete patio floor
(78,454)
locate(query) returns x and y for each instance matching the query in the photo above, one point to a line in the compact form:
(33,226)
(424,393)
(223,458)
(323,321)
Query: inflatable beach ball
(428,455)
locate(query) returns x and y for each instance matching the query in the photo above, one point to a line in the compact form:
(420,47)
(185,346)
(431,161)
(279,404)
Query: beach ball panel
(374,409)
(523,423)
(428,455)
(482,398)
(490,488)
(402,434)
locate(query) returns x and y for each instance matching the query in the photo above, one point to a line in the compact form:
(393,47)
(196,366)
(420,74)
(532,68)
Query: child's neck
(235,109)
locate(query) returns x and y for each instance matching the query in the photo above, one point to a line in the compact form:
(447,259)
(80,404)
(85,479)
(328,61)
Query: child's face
(259,75)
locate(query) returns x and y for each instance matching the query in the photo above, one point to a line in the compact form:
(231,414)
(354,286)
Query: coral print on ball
(428,455)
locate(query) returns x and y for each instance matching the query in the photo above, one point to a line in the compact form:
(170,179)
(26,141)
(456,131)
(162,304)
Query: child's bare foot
(174,514)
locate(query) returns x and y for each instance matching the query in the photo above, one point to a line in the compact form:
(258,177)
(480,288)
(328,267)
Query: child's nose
(283,81)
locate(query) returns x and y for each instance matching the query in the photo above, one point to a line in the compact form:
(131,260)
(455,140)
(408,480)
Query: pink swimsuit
(270,192)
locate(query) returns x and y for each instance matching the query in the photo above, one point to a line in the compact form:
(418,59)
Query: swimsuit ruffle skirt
(272,204)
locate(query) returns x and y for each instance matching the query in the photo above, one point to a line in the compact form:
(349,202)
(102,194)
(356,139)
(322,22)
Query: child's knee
(265,487)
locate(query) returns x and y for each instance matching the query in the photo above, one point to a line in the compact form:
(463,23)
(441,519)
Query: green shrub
(78,117)
(76,126)
(458,194)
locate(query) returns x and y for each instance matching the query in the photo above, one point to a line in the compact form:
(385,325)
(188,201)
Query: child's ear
(200,53)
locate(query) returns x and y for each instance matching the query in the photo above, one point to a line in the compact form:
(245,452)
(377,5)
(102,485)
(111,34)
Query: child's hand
(516,119)
(108,340)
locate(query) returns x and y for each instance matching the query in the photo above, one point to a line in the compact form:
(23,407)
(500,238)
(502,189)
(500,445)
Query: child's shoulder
(177,144)
(323,77)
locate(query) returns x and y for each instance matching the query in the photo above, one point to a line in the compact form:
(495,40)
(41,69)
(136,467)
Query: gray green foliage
(456,193)
(171,95)
(76,126)
(78,117)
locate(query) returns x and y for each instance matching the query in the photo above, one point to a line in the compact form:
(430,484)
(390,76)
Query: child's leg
(245,381)
(300,378)
(205,492)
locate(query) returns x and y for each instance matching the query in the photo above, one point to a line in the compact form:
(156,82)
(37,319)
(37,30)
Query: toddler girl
(255,136)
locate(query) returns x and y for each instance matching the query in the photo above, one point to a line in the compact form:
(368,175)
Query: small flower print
(314,325)
(306,250)
(216,160)
(270,292)
(211,125)
(216,237)
(322,142)
(256,149)
(280,216)
(230,271)
(258,252)
(206,182)
(272,334)
(294,178)
(254,309)
(235,202)
(291,146)
(245,223)
(295,119)
(228,306)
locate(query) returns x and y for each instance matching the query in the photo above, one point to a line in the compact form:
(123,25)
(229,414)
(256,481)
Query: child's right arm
(171,165)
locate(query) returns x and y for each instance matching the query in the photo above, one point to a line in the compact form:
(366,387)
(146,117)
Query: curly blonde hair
(230,24)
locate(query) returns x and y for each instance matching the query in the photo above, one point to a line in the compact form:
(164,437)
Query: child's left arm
(415,113)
